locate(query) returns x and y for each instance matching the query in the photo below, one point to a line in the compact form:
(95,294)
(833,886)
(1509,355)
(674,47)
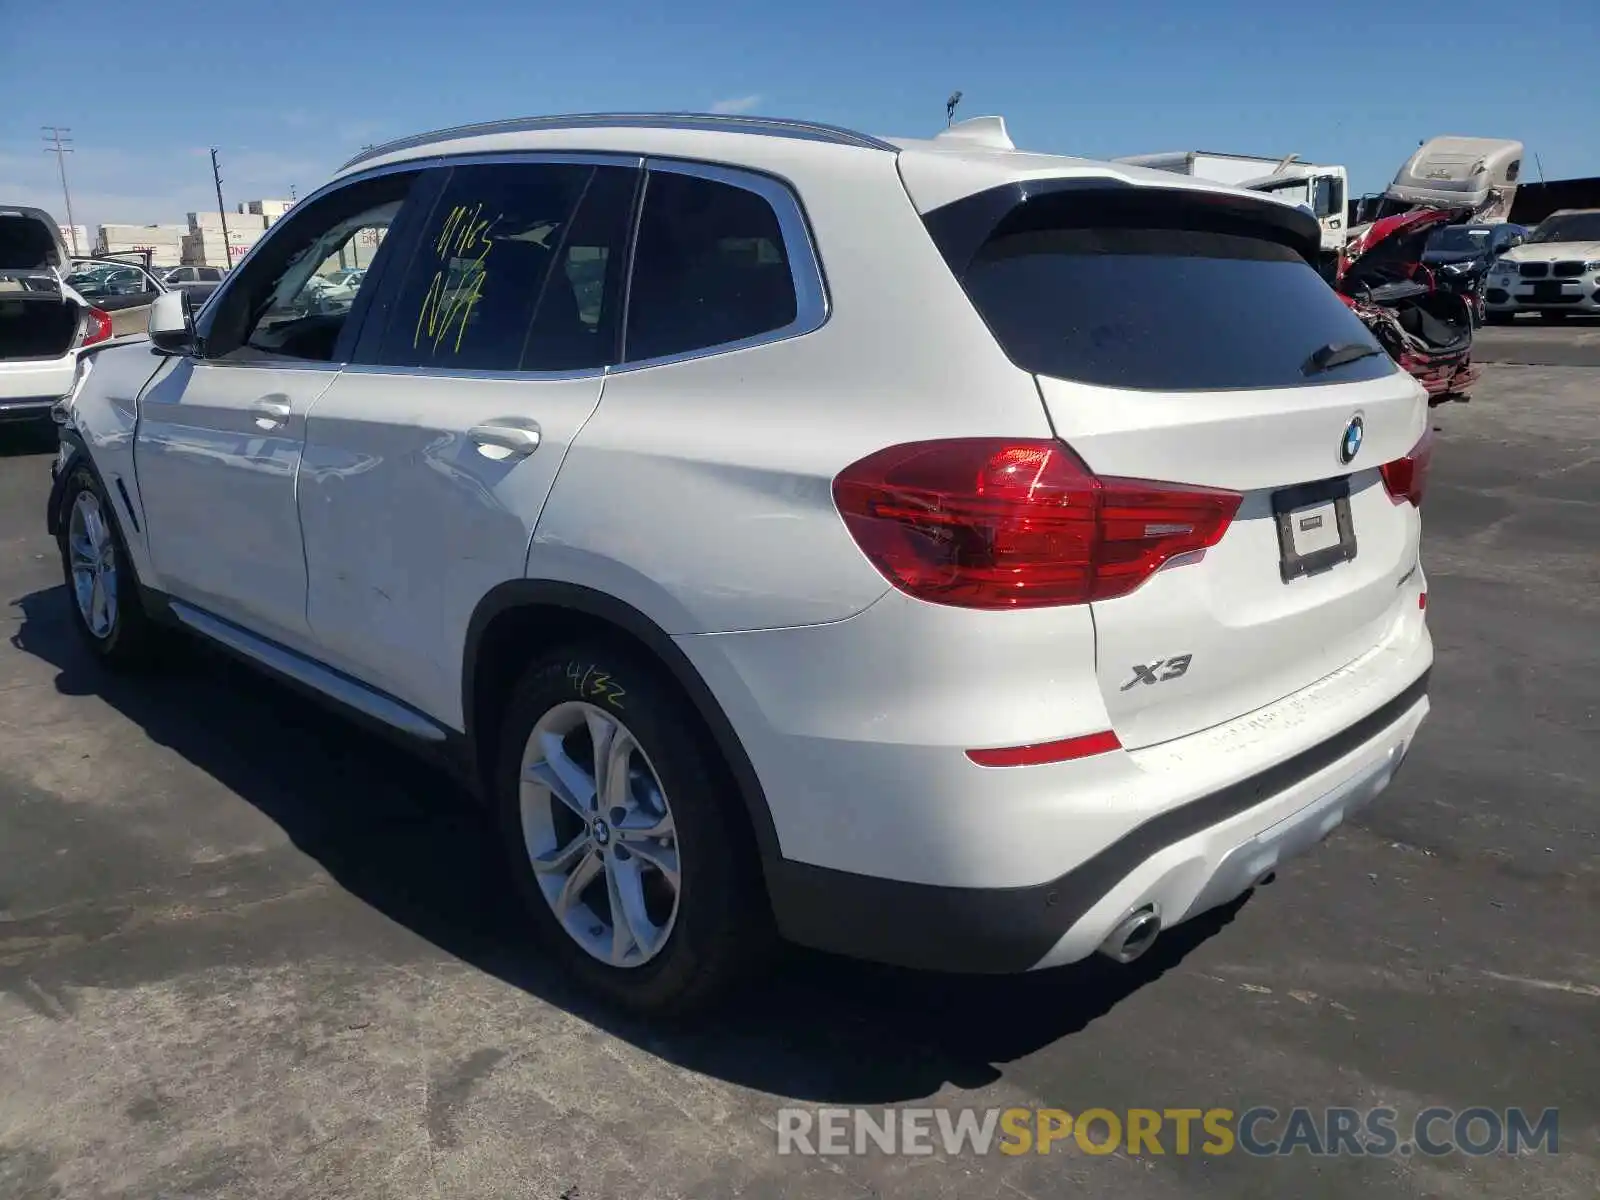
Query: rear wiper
(1331,355)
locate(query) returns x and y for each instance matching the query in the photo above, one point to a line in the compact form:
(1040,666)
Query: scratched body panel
(409,516)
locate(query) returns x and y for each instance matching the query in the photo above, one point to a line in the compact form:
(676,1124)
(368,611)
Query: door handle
(271,413)
(500,442)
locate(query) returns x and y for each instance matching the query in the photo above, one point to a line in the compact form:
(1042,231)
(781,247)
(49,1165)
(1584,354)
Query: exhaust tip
(1133,936)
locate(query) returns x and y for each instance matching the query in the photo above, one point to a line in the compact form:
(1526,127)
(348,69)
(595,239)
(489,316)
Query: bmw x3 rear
(960,558)
(1149,517)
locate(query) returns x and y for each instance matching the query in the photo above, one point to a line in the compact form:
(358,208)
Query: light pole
(216,177)
(52,133)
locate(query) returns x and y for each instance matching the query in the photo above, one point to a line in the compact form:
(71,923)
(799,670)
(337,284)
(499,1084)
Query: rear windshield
(1164,309)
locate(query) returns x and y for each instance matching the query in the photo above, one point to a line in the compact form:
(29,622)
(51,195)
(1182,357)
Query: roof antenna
(950,108)
(1540,165)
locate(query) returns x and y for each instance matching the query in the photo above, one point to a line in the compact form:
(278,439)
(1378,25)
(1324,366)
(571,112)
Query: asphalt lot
(246,951)
(1574,342)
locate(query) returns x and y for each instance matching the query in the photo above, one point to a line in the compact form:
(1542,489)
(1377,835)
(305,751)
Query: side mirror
(172,323)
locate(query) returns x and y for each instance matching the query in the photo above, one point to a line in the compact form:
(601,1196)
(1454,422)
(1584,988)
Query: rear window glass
(710,268)
(1164,309)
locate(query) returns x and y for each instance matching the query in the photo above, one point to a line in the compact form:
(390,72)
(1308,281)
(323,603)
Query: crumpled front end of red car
(1424,327)
(1441,363)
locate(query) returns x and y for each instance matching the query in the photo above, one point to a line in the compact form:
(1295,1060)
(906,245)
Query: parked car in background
(1424,324)
(44,321)
(1556,271)
(985,599)
(198,282)
(334,291)
(113,285)
(1460,257)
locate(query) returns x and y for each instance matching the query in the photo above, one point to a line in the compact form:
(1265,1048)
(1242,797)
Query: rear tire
(604,776)
(107,610)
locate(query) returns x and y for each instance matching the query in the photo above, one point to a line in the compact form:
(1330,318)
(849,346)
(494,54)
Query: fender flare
(58,478)
(525,593)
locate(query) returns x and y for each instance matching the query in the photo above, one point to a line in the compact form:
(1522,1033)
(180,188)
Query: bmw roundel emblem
(1351,442)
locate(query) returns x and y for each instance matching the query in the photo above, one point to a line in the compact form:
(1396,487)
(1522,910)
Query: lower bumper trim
(26,407)
(1009,930)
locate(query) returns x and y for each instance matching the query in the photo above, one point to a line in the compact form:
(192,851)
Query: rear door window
(518,269)
(710,268)
(1157,301)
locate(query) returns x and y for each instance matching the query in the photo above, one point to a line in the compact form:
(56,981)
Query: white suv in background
(1555,272)
(922,550)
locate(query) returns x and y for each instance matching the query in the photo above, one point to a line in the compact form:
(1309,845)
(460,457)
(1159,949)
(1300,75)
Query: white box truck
(1320,188)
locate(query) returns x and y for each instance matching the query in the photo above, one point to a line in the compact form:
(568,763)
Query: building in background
(270,209)
(199,242)
(76,238)
(203,245)
(164,242)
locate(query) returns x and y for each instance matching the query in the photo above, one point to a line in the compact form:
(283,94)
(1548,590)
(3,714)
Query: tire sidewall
(82,480)
(712,894)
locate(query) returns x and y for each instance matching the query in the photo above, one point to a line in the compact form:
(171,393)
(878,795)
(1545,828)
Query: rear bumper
(1184,862)
(26,408)
(1443,374)
(29,387)
(892,845)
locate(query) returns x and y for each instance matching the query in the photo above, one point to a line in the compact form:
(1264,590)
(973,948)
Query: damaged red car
(1425,326)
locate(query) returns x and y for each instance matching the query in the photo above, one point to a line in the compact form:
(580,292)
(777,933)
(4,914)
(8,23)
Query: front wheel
(1498,318)
(106,607)
(1551,316)
(625,841)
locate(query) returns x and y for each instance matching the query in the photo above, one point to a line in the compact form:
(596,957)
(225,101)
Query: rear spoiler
(961,227)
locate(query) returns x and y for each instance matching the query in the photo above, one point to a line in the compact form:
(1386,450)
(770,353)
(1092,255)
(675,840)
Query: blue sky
(287,89)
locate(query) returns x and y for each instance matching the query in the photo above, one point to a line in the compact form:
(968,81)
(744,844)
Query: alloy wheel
(92,555)
(599,834)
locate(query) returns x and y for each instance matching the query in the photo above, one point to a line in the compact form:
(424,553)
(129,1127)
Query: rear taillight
(999,523)
(96,327)
(1405,479)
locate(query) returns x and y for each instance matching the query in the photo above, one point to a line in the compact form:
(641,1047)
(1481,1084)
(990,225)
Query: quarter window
(710,268)
(517,269)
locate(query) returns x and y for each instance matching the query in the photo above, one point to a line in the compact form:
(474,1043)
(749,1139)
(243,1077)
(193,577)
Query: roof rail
(810,131)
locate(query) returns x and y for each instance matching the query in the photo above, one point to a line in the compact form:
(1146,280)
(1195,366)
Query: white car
(44,322)
(922,550)
(1555,272)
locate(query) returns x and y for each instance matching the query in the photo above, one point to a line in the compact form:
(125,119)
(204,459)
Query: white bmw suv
(921,550)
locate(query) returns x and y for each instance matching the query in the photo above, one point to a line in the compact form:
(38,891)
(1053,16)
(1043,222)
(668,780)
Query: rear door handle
(500,441)
(271,412)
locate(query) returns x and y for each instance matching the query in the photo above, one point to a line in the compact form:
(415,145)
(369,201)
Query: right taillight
(1005,523)
(96,327)
(1405,479)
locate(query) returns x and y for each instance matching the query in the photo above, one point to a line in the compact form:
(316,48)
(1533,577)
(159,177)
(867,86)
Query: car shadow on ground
(406,840)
